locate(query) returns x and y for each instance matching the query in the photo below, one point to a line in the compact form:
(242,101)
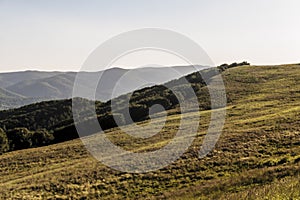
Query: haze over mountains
(22,88)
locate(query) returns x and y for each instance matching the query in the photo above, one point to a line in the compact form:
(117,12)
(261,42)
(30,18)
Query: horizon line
(128,68)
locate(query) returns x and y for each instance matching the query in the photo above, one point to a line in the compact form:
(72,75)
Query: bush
(19,138)
(3,142)
(41,138)
(225,66)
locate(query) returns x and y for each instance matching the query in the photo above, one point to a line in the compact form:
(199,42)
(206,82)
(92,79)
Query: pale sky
(60,34)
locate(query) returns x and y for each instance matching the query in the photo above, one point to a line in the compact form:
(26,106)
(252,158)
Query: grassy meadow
(256,157)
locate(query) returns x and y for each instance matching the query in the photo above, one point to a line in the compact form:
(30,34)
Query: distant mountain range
(22,88)
(56,116)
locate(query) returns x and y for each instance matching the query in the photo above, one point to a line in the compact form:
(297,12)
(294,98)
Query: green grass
(257,156)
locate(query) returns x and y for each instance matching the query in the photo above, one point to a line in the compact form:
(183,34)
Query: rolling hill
(257,156)
(8,94)
(41,86)
(11,78)
(10,99)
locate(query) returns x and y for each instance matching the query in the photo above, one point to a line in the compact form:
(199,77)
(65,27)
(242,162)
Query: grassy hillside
(257,156)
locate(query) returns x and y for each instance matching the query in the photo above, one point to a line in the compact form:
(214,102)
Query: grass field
(256,157)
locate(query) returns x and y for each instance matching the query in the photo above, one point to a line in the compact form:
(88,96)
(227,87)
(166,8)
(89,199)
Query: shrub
(19,138)
(41,137)
(3,142)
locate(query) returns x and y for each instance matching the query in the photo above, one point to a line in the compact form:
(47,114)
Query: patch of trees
(225,66)
(22,138)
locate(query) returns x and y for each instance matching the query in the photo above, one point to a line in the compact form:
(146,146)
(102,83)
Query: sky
(61,34)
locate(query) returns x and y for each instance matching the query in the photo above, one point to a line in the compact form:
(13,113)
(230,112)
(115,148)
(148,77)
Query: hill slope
(10,99)
(42,86)
(11,78)
(8,94)
(259,144)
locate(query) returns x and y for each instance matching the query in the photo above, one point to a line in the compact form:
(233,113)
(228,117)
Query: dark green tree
(41,137)
(19,138)
(3,142)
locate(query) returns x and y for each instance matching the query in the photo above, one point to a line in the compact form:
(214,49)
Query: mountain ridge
(59,85)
